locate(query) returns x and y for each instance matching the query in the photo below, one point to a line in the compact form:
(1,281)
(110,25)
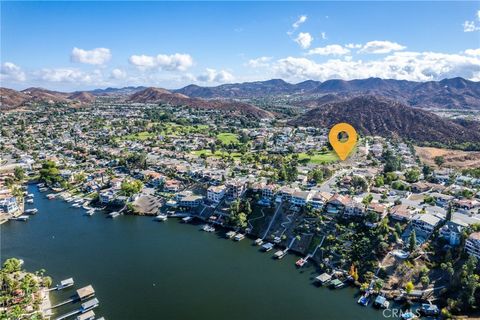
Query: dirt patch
(453,158)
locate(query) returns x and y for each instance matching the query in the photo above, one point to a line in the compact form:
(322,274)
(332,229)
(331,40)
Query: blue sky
(84,45)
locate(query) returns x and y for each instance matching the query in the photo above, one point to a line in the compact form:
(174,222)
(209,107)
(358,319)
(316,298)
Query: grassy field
(319,157)
(227,138)
(139,136)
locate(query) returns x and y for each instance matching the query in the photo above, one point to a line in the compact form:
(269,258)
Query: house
(268,191)
(191,201)
(354,208)
(216,193)
(442,200)
(319,199)
(171,186)
(9,204)
(401,213)
(337,203)
(235,188)
(378,209)
(425,222)
(419,187)
(300,198)
(451,231)
(107,196)
(472,245)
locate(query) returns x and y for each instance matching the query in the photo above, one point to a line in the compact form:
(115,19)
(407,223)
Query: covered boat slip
(324,278)
(85,292)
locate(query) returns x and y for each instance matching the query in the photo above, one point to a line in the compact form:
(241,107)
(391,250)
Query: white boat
(230,234)
(21,218)
(187,219)
(259,242)
(114,214)
(30,201)
(280,254)
(43,189)
(41,185)
(90,212)
(31,211)
(267,246)
(30,195)
(208,228)
(76,205)
(161,217)
(239,237)
(51,196)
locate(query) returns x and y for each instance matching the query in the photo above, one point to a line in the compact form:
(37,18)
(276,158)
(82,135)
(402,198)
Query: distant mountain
(45,95)
(10,98)
(82,97)
(158,95)
(240,90)
(116,91)
(456,93)
(373,115)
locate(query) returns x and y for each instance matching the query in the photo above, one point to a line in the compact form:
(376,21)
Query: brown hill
(44,95)
(374,115)
(10,99)
(158,95)
(82,97)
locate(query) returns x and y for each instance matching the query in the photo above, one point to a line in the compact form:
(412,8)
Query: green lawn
(319,157)
(227,138)
(139,136)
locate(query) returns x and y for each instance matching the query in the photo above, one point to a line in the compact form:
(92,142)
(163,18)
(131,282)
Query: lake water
(143,269)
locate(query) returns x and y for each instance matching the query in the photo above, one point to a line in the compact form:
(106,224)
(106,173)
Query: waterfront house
(191,201)
(8,204)
(300,198)
(107,196)
(171,185)
(268,191)
(235,188)
(472,245)
(319,199)
(337,203)
(216,193)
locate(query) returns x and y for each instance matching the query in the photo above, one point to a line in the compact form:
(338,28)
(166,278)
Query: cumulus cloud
(415,66)
(304,40)
(174,62)
(299,21)
(353,45)
(379,47)
(118,74)
(259,62)
(332,49)
(212,75)
(96,56)
(470,26)
(69,75)
(11,72)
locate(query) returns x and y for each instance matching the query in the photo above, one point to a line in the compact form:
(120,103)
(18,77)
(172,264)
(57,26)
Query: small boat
(280,254)
(41,185)
(230,234)
(208,228)
(408,315)
(161,217)
(90,212)
(259,242)
(30,195)
(65,284)
(239,237)
(21,218)
(187,219)
(381,302)
(113,214)
(301,262)
(43,189)
(364,300)
(31,211)
(76,205)
(51,196)
(336,284)
(267,246)
(30,201)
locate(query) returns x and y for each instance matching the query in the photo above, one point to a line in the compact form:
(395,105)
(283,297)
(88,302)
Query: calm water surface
(142,269)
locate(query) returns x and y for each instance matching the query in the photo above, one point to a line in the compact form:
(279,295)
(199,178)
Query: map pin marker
(342,148)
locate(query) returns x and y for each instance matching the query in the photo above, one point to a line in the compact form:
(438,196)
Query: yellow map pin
(342,148)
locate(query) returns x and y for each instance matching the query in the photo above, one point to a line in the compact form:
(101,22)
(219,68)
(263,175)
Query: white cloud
(299,22)
(259,62)
(11,72)
(304,39)
(174,62)
(473,52)
(470,26)
(69,75)
(353,45)
(415,66)
(118,74)
(323,35)
(212,75)
(478,15)
(96,56)
(332,49)
(379,47)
